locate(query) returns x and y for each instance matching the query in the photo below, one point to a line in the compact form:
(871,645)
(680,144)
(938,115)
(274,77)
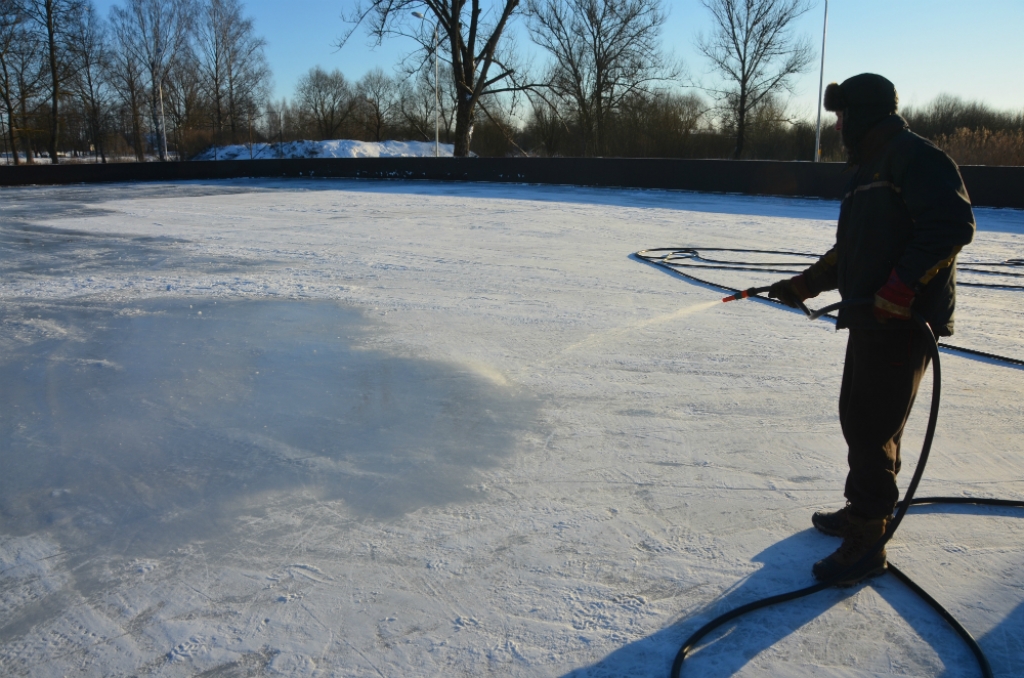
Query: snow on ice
(335,148)
(350,428)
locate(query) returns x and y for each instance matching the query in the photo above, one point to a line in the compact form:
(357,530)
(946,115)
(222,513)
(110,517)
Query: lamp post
(821,84)
(437,96)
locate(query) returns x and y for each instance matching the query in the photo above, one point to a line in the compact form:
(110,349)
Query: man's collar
(877,138)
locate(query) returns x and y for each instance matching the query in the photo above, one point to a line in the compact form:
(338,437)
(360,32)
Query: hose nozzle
(753,291)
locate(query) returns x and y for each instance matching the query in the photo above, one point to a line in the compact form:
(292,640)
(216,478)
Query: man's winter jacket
(905,209)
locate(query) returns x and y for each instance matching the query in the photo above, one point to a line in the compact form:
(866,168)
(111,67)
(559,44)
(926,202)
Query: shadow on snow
(727,650)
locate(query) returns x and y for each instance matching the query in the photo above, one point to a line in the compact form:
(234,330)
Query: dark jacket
(905,208)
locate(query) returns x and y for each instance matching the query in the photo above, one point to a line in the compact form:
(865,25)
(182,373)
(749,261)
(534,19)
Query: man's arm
(820,276)
(823,275)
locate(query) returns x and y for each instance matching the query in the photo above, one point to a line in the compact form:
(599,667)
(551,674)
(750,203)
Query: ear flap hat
(865,100)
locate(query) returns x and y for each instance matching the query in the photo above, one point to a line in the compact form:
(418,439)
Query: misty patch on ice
(35,203)
(57,252)
(145,430)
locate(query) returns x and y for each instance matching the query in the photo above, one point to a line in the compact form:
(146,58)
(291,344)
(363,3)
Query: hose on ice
(675,259)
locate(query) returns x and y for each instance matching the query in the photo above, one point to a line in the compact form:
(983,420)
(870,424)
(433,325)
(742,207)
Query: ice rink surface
(344,428)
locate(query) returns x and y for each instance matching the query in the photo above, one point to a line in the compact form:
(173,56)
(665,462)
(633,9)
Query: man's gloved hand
(893,300)
(792,291)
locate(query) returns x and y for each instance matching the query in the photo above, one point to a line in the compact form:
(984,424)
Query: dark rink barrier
(988,186)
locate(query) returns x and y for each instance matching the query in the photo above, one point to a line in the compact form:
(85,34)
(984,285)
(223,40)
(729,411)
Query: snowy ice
(356,428)
(335,148)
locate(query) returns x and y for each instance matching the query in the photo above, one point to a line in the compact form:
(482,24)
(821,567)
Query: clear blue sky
(926,47)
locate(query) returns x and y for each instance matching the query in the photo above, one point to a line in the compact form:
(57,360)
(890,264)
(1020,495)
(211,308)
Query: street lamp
(437,96)
(821,84)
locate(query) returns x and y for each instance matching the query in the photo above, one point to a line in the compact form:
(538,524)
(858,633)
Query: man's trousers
(884,366)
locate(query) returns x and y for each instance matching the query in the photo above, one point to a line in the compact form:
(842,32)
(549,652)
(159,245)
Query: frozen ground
(339,428)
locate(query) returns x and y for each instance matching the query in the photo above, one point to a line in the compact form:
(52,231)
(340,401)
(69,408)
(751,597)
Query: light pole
(821,84)
(437,96)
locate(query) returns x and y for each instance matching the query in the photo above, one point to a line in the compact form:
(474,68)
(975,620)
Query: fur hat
(864,100)
(834,98)
(865,91)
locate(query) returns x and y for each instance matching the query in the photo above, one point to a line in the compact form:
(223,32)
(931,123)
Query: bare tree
(11,22)
(55,20)
(471,32)
(233,65)
(126,74)
(326,98)
(604,51)
(89,44)
(379,103)
(24,75)
(187,104)
(752,48)
(275,120)
(158,31)
(417,102)
(416,108)
(286,121)
(658,124)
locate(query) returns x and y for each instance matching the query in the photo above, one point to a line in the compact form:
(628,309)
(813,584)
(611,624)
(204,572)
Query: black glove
(792,291)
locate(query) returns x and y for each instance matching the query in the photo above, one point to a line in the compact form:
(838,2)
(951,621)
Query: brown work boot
(862,534)
(832,523)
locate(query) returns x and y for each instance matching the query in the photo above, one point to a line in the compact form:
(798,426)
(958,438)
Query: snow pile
(334,148)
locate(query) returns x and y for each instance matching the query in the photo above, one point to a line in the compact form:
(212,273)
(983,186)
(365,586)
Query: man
(904,218)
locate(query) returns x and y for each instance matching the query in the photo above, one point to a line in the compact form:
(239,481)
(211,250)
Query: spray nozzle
(753,291)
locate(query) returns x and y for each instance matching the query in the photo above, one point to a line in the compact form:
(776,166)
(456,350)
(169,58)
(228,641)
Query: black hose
(891,527)
(682,261)
(902,508)
(676,259)
(979,654)
(976,501)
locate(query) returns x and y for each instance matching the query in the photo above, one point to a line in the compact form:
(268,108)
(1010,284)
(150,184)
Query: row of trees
(609,90)
(660,123)
(186,74)
(187,71)
(604,57)
(192,72)
(376,108)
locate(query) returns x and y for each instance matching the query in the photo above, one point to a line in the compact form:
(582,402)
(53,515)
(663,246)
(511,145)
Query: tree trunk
(11,137)
(137,142)
(741,126)
(54,83)
(26,140)
(463,125)
(232,112)
(154,105)
(741,133)
(12,140)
